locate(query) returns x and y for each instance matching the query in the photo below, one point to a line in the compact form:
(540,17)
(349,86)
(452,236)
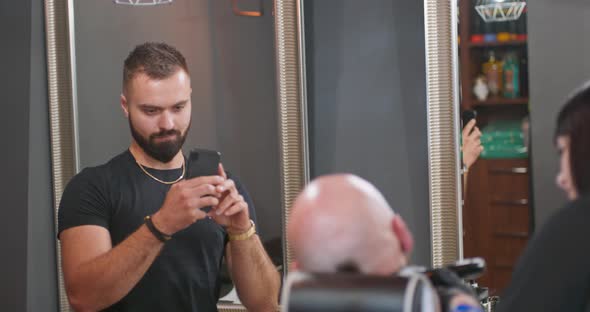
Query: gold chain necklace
(161,181)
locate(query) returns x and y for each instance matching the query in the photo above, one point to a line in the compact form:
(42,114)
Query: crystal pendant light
(500,10)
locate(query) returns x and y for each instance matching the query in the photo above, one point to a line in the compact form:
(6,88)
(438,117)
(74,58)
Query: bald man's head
(340,222)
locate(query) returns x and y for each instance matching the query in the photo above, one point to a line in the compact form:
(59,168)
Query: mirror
(440,19)
(348,84)
(493,66)
(285,137)
(366,101)
(231,112)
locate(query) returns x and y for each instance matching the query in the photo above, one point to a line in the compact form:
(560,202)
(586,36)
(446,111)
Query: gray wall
(367,101)
(27,265)
(15,28)
(231,60)
(558,63)
(41,260)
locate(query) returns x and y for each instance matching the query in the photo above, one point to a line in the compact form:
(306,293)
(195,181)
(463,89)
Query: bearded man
(133,233)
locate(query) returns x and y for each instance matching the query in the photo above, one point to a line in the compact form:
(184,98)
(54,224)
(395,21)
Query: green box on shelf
(503,139)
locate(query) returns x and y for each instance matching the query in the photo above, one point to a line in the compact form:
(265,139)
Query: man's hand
(471,143)
(232,209)
(183,203)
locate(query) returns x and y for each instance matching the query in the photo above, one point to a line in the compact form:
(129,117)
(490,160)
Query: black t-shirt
(117,196)
(554,272)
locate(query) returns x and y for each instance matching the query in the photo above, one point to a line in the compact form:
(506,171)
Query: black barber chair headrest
(351,292)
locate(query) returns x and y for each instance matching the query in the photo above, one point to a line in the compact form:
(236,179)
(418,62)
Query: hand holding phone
(467,116)
(178,210)
(470,138)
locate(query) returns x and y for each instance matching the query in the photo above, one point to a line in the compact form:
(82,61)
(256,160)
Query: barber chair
(352,292)
(409,291)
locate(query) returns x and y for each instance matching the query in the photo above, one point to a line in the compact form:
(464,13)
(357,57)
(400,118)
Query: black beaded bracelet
(159,235)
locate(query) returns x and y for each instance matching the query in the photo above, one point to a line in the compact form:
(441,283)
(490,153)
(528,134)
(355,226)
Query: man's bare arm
(257,280)
(96,275)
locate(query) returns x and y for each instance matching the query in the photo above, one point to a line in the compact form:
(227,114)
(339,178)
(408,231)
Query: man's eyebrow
(183,102)
(148,105)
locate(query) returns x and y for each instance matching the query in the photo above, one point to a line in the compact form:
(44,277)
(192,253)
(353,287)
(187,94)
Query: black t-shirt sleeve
(553,274)
(83,202)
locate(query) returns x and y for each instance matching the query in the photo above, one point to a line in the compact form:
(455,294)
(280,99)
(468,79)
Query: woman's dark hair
(573,122)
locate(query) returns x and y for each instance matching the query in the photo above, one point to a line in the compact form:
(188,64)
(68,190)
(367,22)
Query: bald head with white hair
(343,222)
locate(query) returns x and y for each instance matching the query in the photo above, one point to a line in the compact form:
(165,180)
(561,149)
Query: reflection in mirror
(366,100)
(222,50)
(497,213)
(442,153)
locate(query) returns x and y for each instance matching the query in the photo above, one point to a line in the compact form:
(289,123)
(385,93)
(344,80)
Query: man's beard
(163,151)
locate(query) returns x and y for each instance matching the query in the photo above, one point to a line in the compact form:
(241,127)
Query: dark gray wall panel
(41,267)
(558,63)
(367,101)
(15,31)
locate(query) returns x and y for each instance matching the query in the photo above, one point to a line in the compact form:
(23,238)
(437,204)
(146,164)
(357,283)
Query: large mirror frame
(442,121)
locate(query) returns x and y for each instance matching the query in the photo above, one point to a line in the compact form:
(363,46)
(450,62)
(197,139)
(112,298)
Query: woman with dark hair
(572,137)
(554,272)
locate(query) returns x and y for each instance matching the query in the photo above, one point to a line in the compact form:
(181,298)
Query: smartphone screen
(467,116)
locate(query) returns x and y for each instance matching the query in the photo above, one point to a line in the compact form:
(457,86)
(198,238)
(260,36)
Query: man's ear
(124,105)
(403,234)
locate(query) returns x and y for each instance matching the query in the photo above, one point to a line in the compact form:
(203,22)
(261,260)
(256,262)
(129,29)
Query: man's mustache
(165,133)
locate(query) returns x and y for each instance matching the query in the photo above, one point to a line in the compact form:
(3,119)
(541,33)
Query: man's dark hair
(156,60)
(573,122)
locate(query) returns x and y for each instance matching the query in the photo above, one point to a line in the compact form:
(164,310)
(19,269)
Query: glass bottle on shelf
(480,88)
(492,69)
(511,76)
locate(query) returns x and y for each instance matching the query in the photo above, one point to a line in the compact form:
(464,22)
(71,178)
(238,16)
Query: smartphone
(202,162)
(467,116)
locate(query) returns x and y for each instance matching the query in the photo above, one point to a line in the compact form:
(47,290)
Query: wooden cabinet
(497,217)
